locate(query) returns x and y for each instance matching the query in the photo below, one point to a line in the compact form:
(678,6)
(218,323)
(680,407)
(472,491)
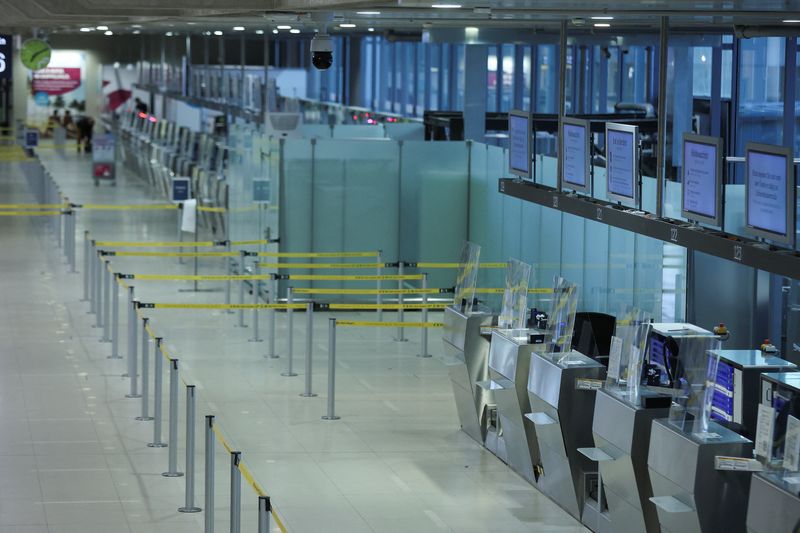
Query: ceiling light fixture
(275,32)
(603,17)
(294,30)
(169,34)
(791,21)
(136,32)
(136,25)
(370,29)
(102,28)
(347,25)
(446,6)
(217,33)
(259,32)
(87,29)
(109,32)
(284,27)
(238,28)
(602,25)
(368,12)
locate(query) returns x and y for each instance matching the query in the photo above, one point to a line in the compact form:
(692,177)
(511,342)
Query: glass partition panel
(515,295)
(467,277)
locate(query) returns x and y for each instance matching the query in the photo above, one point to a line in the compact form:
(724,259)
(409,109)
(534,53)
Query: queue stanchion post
(208,491)
(133,355)
(308,393)
(196,238)
(189,506)
(289,336)
(379,296)
(241,287)
(57,228)
(86,267)
(400,315)
(229,263)
(179,211)
(424,331)
(236,493)
(98,290)
(331,415)
(158,378)
(264,510)
(131,331)
(92,276)
(144,416)
(73,265)
(115,319)
(273,298)
(172,455)
(256,295)
(106,301)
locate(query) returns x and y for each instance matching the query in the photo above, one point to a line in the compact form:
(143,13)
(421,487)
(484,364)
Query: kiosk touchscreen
(770,193)
(622,163)
(701,198)
(520,144)
(574,143)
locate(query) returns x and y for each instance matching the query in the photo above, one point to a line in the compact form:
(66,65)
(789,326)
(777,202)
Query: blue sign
(42,99)
(31,138)
(261,190)
(181,189)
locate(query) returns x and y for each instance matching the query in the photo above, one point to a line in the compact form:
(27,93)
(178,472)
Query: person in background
(141,107)
(85,127)
(52,121)
(68,123)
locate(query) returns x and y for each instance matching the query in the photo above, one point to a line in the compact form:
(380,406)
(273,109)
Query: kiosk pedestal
(774,505)
(690,495)
(562,397)
(468,363)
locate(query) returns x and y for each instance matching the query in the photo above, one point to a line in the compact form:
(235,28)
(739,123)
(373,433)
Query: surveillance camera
(322,51)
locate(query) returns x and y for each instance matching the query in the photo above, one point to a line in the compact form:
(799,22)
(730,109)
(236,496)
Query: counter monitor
(575,154)
(701,198)
(622,163)
(770,192)
(520,147)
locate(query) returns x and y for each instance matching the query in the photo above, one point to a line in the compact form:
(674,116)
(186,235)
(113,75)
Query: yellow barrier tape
(459,265)
(501,291)
(200,277)
(249,243)
(34,206)
(310,266)
(29,213)
(207,209)
(122,283)
(365,291)
(221,438)
(150,330)
(143,207)
(248,476)
(176,254)
(318,254)
(157,244)
(164,352)
(388,306)
(223,306)
(278,521)
(325,277)
(354,323)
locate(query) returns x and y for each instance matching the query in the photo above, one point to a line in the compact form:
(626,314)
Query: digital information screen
(702,179)
(575,155)
(622,163)
(769,192)
(519,143)
(722,403)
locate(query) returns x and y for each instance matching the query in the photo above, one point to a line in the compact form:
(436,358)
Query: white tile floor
(74,459)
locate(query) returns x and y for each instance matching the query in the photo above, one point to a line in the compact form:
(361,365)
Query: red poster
(56,80)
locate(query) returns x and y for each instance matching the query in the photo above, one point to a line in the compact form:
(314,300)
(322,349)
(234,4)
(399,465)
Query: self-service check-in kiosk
(774,503)
(690,493)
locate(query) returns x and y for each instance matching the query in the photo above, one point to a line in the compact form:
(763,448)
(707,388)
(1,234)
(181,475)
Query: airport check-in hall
(376,267)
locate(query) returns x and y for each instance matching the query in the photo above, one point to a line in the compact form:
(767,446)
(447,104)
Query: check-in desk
(509,366)
(562,398)
(690,495)
(774,504)
(621,431)
(468,364)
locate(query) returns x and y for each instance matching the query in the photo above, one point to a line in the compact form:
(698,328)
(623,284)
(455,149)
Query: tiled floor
(74,459)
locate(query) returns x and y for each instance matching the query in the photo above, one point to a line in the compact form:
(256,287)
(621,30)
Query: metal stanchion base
(189,509)
(133,395)
(326,417)
(272,356)
(114,357)
(144,418)
(172,474)
(255,340)
(424,356)
(289,374)
(400,340)
(156,445)
(199,290)
(312,395)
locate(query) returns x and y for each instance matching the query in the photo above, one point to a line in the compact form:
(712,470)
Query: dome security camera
(322,51)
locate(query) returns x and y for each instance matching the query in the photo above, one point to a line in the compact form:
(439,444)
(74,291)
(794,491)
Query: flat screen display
(574,141)
(519,143)
(622,163)
(769,192)
(702,179)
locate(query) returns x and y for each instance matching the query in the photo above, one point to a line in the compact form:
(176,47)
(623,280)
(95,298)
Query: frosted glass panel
(358,131)
(411,131)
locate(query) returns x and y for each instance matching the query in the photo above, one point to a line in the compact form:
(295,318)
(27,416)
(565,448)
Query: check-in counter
(468,364)
(690,495)
(621,430)
(561,390)
(509,364)
(774,504)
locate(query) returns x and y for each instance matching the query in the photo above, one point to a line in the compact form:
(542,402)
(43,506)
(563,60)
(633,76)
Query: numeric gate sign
(5,57)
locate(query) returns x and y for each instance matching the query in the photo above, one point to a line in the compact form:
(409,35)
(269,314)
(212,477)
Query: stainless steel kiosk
(509,364)
(561,388)
(774,504)
(468,364)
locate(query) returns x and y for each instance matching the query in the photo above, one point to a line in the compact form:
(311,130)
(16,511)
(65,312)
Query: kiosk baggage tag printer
(690,494)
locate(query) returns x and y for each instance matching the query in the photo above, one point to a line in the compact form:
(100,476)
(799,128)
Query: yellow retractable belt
(29,213)
(176,254)
(311,266)
(354,323)
(221,306)
(142,207)
(199,277)
(458,265)
(335,306)
(325,277)
(365,291)
(318,254)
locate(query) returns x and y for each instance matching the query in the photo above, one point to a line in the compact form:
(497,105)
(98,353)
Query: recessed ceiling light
(168,34)
(368,12)
(284,27)
(791,21)
(259,32)
(294,30)
(217,33)
(446,6)
(603,17)
(370,29)
(87,29)
(347,25)
(238,28)
(136,25)
(136,32)
(109,32)
(191,23)
(602,25)
(275,31)
(102,28)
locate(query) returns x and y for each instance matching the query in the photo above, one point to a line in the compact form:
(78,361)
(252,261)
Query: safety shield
(515,296)
(626,356)
(692,378)
(561,320)
(467,277)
